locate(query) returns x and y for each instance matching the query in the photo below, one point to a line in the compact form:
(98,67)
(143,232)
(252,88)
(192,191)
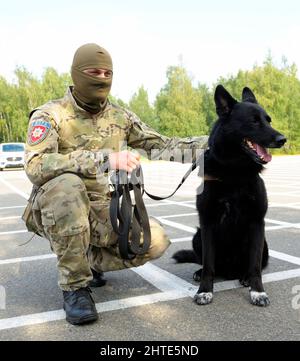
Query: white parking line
(271,205)
(285,224)
(12,207)
(12,217)
(49,316)
(273,228)
(13,232)
(284,206)
(183,204)
(266,278)
(281,193)
(182,239)
(14,189)
(163,219)
(284,186)
(178,215)
(284,257)
(171,286)
(177,225)
(168,203)
(182,227)
(274,204)
(52,255)
(27,259)
(281,223)
(274,254)
(166,281)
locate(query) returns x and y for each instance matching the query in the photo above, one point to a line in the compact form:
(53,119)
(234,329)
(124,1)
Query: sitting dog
(231,239)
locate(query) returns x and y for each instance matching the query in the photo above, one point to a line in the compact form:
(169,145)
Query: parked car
(11,155)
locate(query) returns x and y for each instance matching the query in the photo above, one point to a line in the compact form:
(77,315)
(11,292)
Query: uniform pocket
(56,224)
(47,218)
(102,234)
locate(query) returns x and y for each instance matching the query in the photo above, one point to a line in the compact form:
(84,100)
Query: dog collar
(208,177)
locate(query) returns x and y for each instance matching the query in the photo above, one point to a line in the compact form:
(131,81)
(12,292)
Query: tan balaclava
(89,91)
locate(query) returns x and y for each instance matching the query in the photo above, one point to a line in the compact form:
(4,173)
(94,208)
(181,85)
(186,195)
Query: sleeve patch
(38,131)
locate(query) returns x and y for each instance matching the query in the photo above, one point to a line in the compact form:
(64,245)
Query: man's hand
(124,160)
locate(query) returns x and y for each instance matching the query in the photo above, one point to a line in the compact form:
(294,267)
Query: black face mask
(89,91)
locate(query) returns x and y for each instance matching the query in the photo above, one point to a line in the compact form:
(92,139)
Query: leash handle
(126,219)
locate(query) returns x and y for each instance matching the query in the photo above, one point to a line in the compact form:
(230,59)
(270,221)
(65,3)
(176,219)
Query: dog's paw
(197,275)
(203,298)
(259,298)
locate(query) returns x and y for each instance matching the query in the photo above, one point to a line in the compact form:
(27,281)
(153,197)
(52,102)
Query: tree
(139,104)
(208,105)
(117,101)
(53,85)
(179,106)
(26,93)
(179,110)
(278,91)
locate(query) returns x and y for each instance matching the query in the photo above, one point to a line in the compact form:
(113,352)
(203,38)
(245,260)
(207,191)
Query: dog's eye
(256,119)
(268,119)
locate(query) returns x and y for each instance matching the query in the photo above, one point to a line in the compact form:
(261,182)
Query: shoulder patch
(38,131)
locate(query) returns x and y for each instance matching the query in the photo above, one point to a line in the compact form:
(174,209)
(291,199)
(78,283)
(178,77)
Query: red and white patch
(38,131)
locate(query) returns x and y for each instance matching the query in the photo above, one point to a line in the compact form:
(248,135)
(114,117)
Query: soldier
(68,141)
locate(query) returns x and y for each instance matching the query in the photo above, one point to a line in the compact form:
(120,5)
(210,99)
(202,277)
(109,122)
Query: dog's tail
(185,256)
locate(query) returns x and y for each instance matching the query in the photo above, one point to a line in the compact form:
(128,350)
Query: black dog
(231,242)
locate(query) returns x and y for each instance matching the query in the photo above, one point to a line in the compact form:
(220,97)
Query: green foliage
(278,91)
(17,100)
(208,105)
(180,109)
(117,101)
(179,106)
(139,104)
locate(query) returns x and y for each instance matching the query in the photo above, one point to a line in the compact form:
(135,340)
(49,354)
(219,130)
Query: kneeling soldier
(69,140)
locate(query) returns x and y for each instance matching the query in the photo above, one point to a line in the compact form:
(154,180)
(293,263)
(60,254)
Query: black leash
(192,168)
(126,218)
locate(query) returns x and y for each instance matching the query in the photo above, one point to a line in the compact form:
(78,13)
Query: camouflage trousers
(77,224)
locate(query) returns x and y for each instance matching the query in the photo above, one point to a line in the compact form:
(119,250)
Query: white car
(11,155)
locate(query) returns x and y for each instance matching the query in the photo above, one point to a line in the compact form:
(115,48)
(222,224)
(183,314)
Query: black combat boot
(79,306)
(98,280)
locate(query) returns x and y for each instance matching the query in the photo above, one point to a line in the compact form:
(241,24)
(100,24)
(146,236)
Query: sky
(209,38)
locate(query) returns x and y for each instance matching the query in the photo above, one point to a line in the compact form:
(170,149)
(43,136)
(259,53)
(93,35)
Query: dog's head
(243,127)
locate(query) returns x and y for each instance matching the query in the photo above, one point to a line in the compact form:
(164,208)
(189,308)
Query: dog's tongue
(261,151)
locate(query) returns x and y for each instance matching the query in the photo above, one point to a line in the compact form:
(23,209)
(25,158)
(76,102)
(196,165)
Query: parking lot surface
(155,301)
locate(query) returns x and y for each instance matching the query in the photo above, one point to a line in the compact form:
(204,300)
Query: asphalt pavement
(154,302)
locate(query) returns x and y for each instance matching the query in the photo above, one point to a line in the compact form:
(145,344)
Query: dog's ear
(224,101)
(248,96)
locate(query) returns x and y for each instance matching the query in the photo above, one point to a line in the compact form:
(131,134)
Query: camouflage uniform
(70,202)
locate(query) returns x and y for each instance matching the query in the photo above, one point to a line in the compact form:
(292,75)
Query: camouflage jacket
(62,137)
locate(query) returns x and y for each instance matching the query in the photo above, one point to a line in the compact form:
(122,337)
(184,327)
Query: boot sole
(82,320)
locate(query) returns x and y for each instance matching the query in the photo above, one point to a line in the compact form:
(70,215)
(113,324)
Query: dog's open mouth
(261,154)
